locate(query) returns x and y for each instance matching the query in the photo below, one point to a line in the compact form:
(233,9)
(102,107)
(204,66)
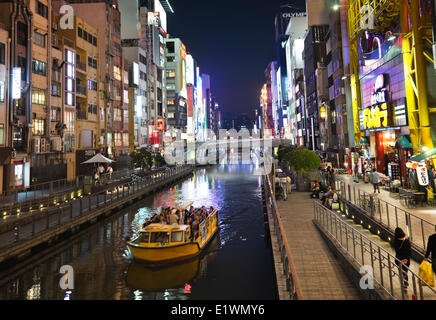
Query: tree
(302,159)
(284,152)
(158,160)
(142,158)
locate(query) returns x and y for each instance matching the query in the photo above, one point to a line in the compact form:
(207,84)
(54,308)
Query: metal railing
(67,210)
(55,192)
(37,190)
(387,214)
(289,271)
(386,269)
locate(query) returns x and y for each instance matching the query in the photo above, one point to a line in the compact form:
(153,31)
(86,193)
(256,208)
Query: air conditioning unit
(36,145)
(43,145)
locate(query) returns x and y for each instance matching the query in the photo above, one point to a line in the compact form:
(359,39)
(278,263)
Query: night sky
(232,41)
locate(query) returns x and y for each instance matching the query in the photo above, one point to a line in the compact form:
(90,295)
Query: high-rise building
(105,17)
(35,155)
(5,133)
(296,114)
(176,85)
(134,51)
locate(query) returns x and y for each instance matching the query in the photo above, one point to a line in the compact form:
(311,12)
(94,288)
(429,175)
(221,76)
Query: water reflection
(142,278)
(238,265)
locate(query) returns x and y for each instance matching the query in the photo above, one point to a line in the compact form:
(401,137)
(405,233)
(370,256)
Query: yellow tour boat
(159,244)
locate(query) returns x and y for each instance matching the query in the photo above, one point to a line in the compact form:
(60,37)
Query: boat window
(177,236)
(160,237)
(144,237)
(186,235)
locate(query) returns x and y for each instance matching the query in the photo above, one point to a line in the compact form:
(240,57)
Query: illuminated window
(69,78)
(38,96)
(126,116)
(171,73)
(117,139)
(2,91)
(125,139)
(55,114)
(170,102)
(69,121)
(2,134)
(117,114)
(117,73)
(38,127)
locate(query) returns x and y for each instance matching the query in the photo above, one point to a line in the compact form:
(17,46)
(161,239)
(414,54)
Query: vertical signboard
(16,83)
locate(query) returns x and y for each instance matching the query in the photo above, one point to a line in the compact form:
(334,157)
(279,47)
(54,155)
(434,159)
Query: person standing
(403,250)
(431,250)
(110,171)
(288,184)
(374,178)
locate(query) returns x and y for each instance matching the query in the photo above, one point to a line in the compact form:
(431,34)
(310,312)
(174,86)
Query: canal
(237,264)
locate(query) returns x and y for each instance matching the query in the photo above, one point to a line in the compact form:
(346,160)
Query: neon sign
(375,117)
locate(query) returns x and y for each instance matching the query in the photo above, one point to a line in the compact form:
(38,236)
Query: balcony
(81,89)
(81,114)
(81,66)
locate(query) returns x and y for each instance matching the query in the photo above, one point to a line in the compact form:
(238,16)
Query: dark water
(236,265)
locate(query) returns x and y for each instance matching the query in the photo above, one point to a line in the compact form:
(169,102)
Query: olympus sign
(293,15)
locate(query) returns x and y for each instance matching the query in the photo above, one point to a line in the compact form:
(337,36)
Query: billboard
(135,73)
(162,14)
(190,73)
(16,83)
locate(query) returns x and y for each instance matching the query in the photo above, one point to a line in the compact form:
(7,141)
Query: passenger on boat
(195,225)
(146,223)
(172,218)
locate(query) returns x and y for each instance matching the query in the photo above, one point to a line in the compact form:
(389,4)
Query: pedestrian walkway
(319,273)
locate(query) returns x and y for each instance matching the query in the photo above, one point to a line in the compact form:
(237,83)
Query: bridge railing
(388,273)
(387,214)
(289,271)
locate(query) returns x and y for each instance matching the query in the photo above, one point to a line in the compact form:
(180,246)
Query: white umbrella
(98,158)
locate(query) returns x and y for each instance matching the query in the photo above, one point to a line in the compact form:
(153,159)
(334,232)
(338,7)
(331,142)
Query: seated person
(316,189)
(331,199)
(326,195)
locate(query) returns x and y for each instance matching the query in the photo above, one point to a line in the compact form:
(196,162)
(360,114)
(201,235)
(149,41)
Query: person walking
(403,251)
(374,178)
(431,250)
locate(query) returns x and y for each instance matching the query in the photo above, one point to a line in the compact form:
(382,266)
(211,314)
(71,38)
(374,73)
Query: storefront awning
(403,143)
(424,155)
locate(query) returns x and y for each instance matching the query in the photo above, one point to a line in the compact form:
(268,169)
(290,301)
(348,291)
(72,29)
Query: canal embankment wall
(23,235)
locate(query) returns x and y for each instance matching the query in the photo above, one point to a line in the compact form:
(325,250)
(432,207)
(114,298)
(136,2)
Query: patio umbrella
(98,158)
(424,155)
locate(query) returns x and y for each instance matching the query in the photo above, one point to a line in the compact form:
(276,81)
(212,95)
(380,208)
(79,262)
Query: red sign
(190,101)
(161,124)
